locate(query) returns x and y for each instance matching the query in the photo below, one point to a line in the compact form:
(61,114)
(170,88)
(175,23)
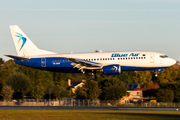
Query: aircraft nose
(172,62)
(169,62)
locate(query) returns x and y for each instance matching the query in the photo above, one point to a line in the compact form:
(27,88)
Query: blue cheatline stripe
(67,67)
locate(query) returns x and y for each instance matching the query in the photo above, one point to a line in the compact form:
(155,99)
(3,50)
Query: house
(135,94)
(75,85)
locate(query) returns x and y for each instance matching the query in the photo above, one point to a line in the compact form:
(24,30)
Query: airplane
(109,63)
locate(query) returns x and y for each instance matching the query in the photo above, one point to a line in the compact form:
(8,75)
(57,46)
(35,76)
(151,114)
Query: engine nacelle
(112,70)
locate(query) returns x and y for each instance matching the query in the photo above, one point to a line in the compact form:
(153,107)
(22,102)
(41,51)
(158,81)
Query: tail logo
(21,38)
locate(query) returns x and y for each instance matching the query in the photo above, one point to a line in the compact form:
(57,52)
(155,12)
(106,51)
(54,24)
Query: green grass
(87,115)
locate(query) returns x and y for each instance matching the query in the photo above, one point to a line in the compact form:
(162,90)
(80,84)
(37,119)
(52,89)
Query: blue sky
(65,26)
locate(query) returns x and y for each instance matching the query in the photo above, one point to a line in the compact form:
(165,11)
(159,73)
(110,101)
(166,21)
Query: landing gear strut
(156,75)
(93,76)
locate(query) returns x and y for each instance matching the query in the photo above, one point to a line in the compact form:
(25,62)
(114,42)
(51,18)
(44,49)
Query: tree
(64,92)
(114,92)
(93,90)
(37,92)
(177,96)
(57,91)
(112,89)
(50,88)
(80,93)
(176,88)
(165,95)
(168,75)
(19,83)
(149,85)
(7,92)
(60,92)
(125,78)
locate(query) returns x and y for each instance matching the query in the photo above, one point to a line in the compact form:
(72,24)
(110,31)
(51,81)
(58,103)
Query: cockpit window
(163,56)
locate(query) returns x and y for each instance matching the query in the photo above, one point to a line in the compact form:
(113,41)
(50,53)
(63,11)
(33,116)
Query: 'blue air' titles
(125,55)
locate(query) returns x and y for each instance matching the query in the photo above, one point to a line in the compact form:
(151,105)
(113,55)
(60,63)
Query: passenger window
(94,59)
(98,59)
(53,61)
(113,58)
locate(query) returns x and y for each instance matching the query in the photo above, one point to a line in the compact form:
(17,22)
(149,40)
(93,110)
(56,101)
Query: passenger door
(152,58)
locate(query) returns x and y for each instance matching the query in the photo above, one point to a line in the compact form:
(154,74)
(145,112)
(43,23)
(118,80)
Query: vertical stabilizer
(24,46)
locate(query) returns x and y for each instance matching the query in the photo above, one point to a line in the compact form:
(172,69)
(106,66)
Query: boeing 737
(109,63)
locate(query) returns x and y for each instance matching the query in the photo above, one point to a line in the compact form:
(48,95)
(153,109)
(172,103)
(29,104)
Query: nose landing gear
(156,75)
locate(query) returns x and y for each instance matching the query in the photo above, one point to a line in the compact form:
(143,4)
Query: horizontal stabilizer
(17,57)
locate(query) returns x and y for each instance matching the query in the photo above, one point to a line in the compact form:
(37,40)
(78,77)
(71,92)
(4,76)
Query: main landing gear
(93,76)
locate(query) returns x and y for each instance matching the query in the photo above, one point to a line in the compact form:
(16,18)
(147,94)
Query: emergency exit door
(43,62)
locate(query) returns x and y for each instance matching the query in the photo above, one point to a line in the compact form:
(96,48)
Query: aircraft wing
(82,64)
(17,57)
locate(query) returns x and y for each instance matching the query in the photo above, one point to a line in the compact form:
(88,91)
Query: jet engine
(112,70)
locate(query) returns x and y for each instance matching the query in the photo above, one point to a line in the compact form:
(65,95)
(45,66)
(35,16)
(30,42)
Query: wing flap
(82,64)
(85,63)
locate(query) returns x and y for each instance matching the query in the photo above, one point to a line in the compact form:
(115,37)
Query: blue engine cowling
(112,70)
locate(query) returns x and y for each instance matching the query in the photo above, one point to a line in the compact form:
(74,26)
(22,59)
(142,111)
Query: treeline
(17,81)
